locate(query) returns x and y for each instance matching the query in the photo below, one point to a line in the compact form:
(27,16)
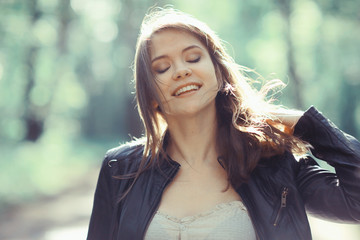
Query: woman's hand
(288,118)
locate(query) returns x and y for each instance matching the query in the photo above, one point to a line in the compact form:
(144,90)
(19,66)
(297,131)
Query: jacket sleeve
(334,196)
(100,226)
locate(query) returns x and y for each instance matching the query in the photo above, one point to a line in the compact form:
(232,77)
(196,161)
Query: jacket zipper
(284,194)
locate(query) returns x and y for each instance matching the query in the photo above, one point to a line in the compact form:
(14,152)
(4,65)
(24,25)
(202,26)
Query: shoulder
(126,156)
(126,150)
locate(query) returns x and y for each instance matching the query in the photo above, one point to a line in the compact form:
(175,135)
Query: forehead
(170,40)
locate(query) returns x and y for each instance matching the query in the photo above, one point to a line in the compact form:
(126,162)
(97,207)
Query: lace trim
(218,207)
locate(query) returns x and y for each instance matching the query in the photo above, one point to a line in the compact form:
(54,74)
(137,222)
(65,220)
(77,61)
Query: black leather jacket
(279,191)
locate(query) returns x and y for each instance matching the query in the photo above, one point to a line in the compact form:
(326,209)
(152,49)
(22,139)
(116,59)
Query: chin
(194,110)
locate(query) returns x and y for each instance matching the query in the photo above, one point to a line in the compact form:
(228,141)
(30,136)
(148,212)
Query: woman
(217,161)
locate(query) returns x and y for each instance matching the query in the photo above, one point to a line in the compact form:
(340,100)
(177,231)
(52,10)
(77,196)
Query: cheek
(162,91)
(161,87)
(213,78)
(162,81)
(208,69)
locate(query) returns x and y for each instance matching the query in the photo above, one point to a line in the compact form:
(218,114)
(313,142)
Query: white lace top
(226,221)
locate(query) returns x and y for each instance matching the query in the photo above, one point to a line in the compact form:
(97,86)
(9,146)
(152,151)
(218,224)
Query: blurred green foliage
(65,74)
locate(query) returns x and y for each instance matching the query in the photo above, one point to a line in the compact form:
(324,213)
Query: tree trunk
(285,8)
(33,122)
(34,116)
(348,107)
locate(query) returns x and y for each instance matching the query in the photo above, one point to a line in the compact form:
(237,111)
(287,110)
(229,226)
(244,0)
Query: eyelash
(162,71)
(195,60)
(190,61)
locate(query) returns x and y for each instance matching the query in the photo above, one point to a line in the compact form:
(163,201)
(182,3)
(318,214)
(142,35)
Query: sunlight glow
(71,233)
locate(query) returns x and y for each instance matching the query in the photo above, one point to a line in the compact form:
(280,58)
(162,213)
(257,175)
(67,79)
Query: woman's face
(184,73)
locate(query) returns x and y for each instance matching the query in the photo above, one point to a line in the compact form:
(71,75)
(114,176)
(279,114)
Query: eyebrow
(184,50)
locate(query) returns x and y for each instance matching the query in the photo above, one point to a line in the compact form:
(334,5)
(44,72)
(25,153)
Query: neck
(193,138)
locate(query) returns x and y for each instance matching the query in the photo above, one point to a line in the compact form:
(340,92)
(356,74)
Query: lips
(187,88)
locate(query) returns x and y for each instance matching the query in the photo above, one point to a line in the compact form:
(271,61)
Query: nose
(182,73)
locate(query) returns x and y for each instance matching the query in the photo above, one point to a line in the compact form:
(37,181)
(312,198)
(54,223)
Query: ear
(154,104)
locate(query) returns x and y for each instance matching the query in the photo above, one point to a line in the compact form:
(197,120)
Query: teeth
(185,89)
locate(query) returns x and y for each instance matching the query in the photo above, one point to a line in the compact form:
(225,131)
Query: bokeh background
(66,92)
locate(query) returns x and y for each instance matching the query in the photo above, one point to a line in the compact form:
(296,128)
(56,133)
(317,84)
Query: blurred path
(66,217)
(62,217)
(324,230)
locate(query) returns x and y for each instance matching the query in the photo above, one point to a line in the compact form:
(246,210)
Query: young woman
(217,160)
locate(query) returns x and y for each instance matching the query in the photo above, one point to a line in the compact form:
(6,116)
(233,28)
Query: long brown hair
(244,135)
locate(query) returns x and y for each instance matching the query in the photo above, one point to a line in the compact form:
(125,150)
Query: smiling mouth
(187,89)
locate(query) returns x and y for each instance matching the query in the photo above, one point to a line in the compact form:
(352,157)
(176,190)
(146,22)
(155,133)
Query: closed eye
(194,60)
(162,70)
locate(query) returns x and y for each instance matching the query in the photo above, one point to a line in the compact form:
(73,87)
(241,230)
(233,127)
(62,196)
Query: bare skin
(201,181)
